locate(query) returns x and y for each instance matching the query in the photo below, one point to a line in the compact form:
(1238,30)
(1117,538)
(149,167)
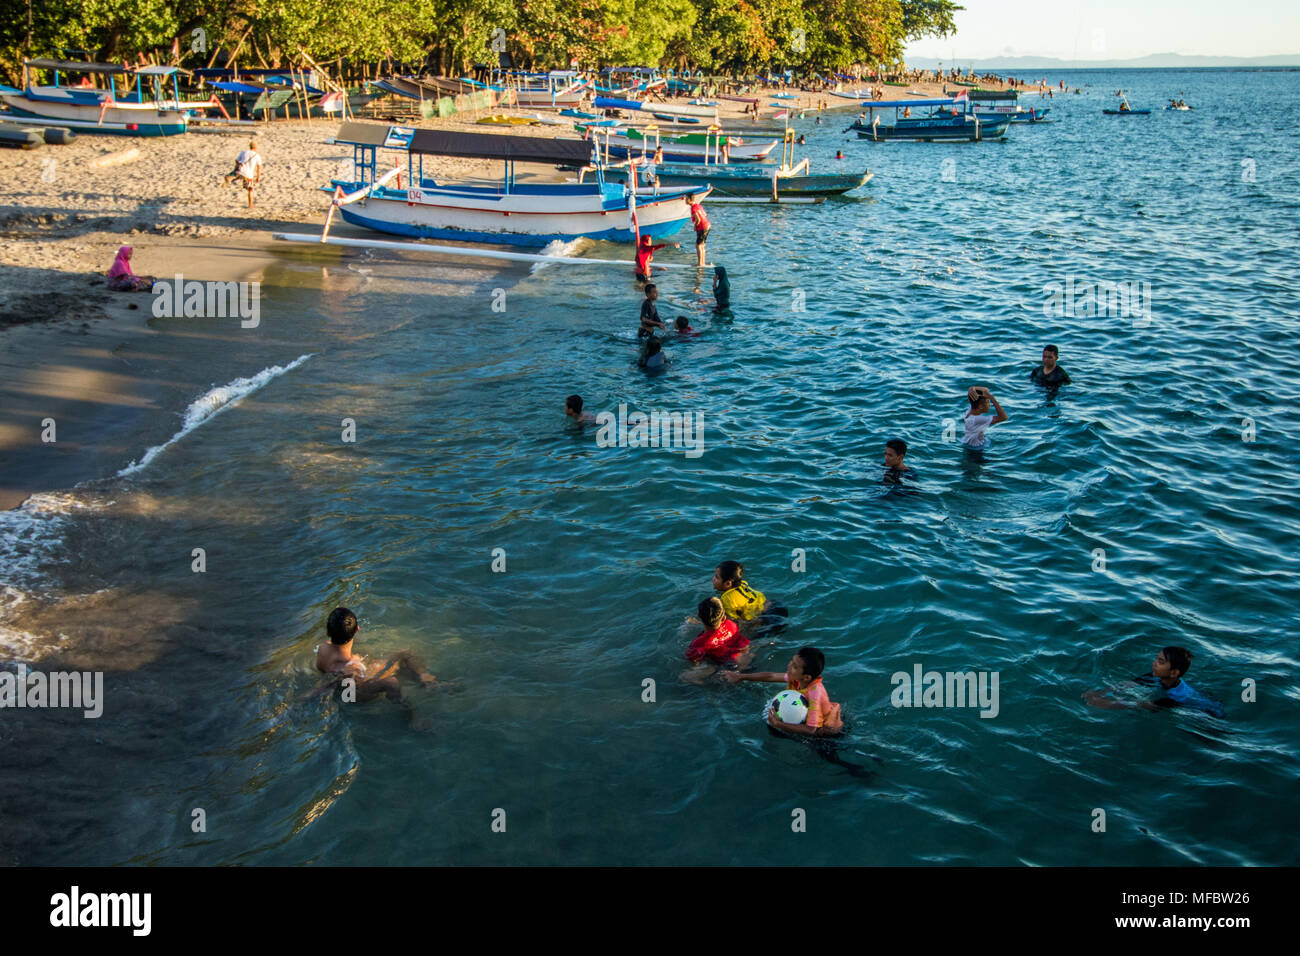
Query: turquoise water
(927,281)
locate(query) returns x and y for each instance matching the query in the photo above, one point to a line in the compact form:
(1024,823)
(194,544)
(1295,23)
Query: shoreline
(64,332)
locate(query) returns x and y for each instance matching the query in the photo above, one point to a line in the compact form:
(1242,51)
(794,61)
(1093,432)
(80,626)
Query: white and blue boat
(119,110)
(510,212)
(954,121)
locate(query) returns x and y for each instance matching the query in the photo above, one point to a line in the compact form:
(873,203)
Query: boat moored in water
(511,212)
(954,121)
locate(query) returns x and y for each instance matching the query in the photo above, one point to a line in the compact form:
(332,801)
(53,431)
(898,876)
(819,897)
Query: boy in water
(683,327)
(573,410)
(336,659)
(804,674)
(978,420)
(701,223)
(649,312)
(1167,671)
(1049,374)
(895,469)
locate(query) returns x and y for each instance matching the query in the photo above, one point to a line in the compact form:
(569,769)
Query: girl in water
(721,288)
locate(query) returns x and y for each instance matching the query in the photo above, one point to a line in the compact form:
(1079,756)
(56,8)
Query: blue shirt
(1181,694)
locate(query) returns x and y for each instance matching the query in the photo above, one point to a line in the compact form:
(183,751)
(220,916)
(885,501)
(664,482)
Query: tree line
(449,36)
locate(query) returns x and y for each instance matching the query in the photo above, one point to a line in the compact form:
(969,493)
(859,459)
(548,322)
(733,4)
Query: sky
(1117,29)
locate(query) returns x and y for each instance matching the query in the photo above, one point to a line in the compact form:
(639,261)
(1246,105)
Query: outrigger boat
(683,148)
(751,180)
(89,109)
(991,104)
(511,212)
(947,125)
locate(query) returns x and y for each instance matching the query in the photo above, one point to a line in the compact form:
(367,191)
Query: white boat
(95,110)
(558,89)
(525,214)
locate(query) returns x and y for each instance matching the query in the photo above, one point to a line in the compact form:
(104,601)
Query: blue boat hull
(354,216)
(957,129)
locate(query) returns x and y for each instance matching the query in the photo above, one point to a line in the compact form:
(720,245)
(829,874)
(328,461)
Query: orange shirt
(819,702)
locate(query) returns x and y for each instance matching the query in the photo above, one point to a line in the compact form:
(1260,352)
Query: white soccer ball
(791,707)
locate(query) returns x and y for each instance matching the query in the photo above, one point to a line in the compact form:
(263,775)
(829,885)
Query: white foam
(558,248)
(212,403)
(31,535)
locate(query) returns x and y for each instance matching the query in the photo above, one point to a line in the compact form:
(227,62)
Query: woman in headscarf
(122,279)
(721,288)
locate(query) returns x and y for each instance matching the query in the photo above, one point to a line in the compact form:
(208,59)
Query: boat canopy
(899,104)
(74,66)
(525,149)
(157,70)
(362,134)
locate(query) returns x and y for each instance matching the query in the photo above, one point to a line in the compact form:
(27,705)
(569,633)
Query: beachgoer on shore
(701,223)
(248,170)
(122,279)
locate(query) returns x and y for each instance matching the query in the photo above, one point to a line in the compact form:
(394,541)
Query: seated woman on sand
(122,279)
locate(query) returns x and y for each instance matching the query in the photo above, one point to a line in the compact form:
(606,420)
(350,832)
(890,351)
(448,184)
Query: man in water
(335,658)
(1049,374)
(895,469)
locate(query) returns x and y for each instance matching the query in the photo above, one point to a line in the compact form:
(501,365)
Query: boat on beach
(510,212)
(91,109)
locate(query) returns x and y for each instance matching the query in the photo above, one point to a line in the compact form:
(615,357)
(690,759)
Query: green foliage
(745,36)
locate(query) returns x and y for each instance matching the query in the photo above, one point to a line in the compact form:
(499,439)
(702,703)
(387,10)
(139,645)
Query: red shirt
(720,645)
(698,217)
(643,256)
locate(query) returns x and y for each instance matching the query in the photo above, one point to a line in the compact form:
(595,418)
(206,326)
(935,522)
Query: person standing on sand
(247,171)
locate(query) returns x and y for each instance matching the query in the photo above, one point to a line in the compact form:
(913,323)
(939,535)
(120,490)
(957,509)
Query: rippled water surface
(854,322)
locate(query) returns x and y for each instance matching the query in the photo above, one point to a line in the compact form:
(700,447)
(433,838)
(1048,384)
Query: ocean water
(1152,502)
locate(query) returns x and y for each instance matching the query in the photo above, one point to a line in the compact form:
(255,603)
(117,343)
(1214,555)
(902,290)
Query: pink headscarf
(121,265)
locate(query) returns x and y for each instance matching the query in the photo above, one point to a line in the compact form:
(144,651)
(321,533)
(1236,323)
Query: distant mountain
(1154,61)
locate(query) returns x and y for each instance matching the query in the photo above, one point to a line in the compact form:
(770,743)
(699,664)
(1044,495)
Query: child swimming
(804,674)
(720,641)
(335,658)
(683,327)
(649,312)
(743,603)
(1167,671)
(573,410)
(978,420)
(653,357)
